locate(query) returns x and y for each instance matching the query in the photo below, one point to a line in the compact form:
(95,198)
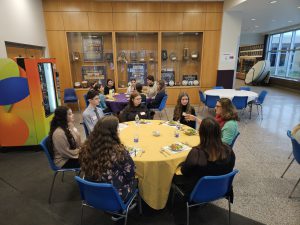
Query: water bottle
(137,119)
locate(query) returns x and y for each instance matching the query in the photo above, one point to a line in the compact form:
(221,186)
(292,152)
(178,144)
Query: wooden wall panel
(51,5)
(193,21)
(171,21)
(75,6)
(13,52)
(214,7)
(148,7)
(57,43)
(76,21)
(193,94)
(101,7)
(147,21)
(124,21)
(193,7)
(172,95)
(129,7)
(213,21)
(210,58)
(171,7)
(54,21)
(100,21)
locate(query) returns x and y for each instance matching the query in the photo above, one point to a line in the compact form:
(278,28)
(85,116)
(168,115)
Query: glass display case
(136,56)
(181,58)
(91,57)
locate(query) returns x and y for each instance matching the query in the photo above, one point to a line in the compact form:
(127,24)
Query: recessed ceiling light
(298,7)
(290,21)
(272,2)
(253,19)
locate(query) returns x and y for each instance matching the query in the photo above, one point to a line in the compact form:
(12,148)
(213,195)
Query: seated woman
(104,159)
(296,133)
(227,118)
(210,158)
(139,89)
(102,104)
(132,87)
(161,88)
(109,86)
(134,108)
(64,139)
(182,108)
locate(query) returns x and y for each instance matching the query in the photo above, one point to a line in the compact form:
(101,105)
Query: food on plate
(190,132)
(172,123)
(176,147)
(142,121)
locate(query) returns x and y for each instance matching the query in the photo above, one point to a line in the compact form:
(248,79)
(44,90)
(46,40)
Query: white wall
(22,21)
(251,39)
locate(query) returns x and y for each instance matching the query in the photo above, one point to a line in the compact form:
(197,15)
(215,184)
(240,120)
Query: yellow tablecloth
(155,170)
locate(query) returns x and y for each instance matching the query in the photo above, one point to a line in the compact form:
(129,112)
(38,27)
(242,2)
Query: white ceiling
(268,17)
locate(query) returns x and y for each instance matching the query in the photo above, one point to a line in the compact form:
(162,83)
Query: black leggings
(71,163)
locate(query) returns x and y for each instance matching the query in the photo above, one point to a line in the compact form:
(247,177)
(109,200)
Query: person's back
(229,131)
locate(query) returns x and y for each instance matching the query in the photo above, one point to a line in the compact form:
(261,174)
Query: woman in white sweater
(64,139)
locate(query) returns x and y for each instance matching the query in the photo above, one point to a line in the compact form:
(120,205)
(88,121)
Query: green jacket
(229,131)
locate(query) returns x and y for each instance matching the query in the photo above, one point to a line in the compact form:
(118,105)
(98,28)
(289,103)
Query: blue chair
(233,141)
(56,170)
(211,101)
(162,107)
(71,97)
(103,196)
(86,100)
(202,98)
(245,88)
(259,102)
(296,153)
(86,130)
(208,189)
(240,102)
(218,87)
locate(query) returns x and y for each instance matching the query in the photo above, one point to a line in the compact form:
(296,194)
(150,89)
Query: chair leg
(160,115)
(51,189)
(229,212)
(187,214)
(81,218)
(166,114)
(125,222)
(290,196)
(287,168)
(290,155)
(78,106)
(261,111)
(250,111)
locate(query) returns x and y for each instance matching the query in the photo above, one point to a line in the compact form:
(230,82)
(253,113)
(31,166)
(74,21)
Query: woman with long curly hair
(182,108)
(103,158)
(64,139)
(210,158)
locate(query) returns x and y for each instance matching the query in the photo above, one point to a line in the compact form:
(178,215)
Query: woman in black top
(161,88)
(139,89)
(109,86)
(134,108)
(210,158)
(182,108)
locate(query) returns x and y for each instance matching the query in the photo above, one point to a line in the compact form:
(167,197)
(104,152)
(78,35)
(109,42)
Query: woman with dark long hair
(64,139)
(182,108)
(109,86)
(134,108)
(103,158)
(161,92)
(210,158)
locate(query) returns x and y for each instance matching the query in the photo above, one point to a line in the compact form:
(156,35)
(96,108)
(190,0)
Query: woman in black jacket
(210,158)
(134,108)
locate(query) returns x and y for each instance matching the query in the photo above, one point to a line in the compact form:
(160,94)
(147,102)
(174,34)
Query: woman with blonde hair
(182,108)
(104,159)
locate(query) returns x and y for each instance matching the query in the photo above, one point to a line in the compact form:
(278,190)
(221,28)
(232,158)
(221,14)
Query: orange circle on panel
(14,129)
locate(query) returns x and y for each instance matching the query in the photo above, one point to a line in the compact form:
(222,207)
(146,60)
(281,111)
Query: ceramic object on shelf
(184,82)
(196,82)
(171,83)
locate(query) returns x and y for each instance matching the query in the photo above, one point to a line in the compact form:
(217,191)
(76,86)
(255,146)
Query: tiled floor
(262,152)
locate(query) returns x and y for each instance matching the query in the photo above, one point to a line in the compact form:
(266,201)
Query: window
(284,54)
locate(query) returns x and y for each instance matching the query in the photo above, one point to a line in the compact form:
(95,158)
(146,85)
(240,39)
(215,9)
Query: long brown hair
(162,85)
(103,149)
(228,110)
(210,140)
(179,106)
(132,97)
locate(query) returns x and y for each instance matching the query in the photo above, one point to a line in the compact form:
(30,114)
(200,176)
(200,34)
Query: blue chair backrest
(210,188)
(211,101)
(202,97)
(240,102)
(218,87)
(44,145)
(70,94)
(86,100)
(296,146)
(102,196)
(234,139)
(261,96)
(245,88)
(163,103)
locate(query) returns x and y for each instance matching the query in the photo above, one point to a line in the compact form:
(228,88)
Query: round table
(230,93)
(118,103)
(155,169)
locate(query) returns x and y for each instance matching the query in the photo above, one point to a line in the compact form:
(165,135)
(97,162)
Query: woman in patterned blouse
(104,159)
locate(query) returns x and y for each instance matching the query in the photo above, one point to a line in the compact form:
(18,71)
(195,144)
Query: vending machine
(28,99)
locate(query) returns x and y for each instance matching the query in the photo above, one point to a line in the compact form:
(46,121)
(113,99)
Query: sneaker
(116,218)
(132,206)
